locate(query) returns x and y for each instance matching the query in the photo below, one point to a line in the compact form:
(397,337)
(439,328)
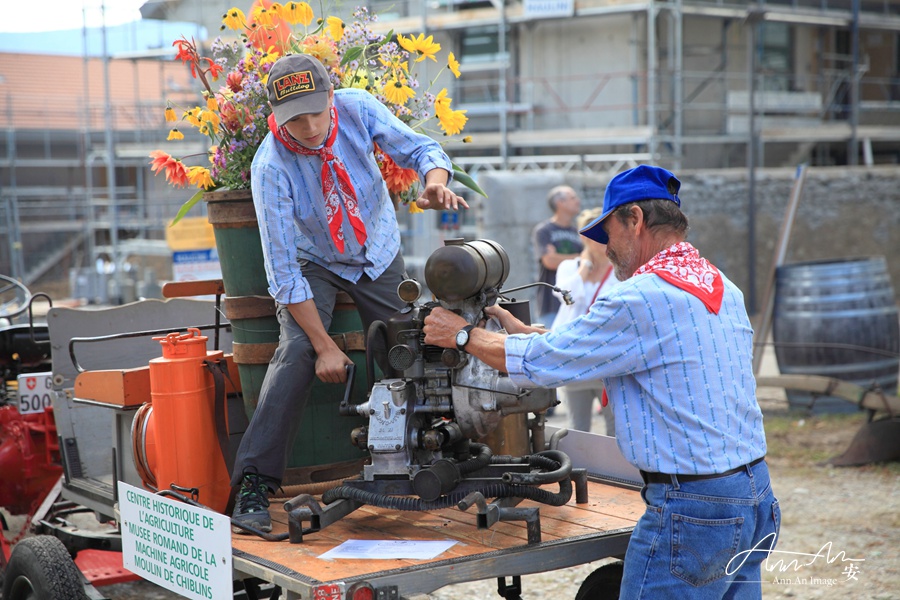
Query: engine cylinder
(460,269)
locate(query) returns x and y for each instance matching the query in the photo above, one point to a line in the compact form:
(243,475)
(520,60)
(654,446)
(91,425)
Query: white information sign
(549,8)
(35,392)
(196,265)
(182,548)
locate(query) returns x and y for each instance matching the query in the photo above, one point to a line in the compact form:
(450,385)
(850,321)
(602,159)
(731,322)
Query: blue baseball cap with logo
(645,182)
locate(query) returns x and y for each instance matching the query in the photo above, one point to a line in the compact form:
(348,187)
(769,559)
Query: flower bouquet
(234,104)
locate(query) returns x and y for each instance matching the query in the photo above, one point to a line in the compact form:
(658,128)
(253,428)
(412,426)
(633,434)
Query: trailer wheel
(40,568)
(602,584)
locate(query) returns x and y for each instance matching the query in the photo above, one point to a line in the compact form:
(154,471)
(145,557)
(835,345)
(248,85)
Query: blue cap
(645,182)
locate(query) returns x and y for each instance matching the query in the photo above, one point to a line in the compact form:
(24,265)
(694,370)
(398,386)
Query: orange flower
(176,172)
(323,49)
(267,30)
(234,80)
(200,177)
(396,177)
(235,117)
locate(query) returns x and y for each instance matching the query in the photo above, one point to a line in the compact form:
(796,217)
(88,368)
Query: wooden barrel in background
(837,318)
(322,450)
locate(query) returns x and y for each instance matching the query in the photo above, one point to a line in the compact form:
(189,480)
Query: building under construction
(589,85)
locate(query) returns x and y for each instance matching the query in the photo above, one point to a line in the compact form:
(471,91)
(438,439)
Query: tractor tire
(40,568)
(602,584)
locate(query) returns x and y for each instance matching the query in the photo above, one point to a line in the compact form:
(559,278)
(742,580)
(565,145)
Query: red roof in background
(49,92)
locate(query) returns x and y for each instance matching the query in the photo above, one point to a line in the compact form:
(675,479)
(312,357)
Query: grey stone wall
(843,212)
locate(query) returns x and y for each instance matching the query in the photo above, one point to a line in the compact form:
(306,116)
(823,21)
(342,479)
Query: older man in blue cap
(672,344)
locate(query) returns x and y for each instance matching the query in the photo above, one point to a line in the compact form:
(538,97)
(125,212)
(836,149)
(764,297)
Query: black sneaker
(251,505)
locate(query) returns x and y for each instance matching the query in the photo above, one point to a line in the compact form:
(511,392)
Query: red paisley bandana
(333,189)
(682,266)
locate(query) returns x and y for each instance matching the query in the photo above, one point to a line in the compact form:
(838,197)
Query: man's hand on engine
(331,366)
(441,326)
(509,322)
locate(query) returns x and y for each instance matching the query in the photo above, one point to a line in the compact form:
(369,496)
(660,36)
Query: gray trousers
(580,405)
(285,389)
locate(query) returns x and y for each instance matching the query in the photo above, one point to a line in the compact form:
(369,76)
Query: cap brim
(309,104)
(594,229)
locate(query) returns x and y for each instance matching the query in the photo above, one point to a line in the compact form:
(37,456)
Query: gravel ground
(841,513)
(856,510)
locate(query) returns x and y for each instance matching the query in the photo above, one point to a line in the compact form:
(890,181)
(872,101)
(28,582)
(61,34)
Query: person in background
(673,344)
(586,277)
(327,225)
(554,241)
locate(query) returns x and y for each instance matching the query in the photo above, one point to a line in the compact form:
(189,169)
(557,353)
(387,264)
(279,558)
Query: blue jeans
(683,544)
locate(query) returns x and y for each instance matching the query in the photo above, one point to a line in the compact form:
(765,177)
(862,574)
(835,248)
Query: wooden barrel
(839,319)
(322,450)
(247,305)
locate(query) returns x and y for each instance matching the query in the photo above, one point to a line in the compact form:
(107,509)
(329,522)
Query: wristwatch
(462,337)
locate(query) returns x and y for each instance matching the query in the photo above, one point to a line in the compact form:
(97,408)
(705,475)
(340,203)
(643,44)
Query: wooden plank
(119,387)
(761,334)
(609,509)
(829,386)
(186,289)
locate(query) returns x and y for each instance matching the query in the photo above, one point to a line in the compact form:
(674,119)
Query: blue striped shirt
(679,377)
(290,208)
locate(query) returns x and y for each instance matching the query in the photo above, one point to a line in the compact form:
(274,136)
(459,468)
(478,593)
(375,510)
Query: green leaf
(187,206)
(387,38)
(351,54)
(465,179)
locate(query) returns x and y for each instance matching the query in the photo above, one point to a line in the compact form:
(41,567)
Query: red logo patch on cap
(294,83)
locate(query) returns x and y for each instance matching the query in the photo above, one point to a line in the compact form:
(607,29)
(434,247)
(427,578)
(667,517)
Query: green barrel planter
(322,450)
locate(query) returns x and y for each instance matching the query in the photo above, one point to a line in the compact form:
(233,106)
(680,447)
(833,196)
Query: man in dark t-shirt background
(554,241)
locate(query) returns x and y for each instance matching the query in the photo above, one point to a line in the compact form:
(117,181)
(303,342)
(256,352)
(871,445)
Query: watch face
(462,337)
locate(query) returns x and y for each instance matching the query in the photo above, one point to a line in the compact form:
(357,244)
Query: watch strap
(467,329)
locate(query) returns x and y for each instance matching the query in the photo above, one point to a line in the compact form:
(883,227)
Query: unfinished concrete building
(574,86)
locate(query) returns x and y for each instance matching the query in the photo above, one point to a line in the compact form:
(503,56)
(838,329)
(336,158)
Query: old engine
(427,418)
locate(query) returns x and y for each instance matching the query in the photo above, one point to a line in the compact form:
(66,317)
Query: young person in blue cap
(673,345)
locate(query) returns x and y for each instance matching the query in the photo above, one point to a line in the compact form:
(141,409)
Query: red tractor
(29,450)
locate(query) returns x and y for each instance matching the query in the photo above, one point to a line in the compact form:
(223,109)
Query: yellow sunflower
(397,91)
(297,12)
(421,46)
(335,28)
(234,19)
(453,64)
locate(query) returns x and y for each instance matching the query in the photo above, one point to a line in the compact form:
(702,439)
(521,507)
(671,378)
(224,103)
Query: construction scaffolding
(589,86)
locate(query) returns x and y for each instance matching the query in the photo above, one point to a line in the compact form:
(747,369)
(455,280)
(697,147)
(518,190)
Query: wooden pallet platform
(570,535)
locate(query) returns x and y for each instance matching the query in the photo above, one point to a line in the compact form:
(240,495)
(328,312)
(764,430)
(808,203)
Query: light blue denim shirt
(290,208)
(679,377)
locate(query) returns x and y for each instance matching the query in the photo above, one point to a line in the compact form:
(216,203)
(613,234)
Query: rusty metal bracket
(489,514)
(580,479)
(305,508)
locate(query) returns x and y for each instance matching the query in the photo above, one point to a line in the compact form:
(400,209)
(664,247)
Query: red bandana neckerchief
(333,191)
(682,266)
